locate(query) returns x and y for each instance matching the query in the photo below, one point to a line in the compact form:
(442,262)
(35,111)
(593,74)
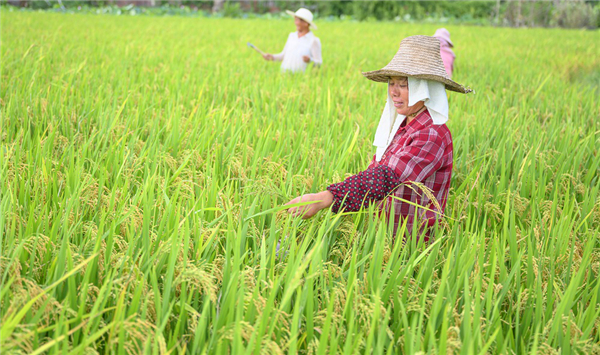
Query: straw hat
(304,14)
(418,57)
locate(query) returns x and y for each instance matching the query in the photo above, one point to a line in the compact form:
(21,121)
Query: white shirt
(295,48)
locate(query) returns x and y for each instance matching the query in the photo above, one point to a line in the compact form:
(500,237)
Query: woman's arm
(364,188)
(315,52)
(352,194)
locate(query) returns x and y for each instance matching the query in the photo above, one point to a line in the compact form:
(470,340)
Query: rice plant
(144,162)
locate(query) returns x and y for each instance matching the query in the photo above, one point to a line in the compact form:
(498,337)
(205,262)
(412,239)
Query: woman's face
(301,25)
(398,91)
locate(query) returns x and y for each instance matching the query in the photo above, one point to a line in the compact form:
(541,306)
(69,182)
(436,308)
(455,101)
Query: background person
(302,46)
(414,145)
(446,51)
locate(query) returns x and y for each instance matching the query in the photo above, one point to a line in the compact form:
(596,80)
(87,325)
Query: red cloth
(420,152)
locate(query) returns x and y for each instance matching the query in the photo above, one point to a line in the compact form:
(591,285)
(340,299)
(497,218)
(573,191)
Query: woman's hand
(306,59)
(322,200)
(268,56)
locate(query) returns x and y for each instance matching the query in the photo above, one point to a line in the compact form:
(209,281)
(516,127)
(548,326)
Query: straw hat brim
(418,57)
(383,75)
(293,14)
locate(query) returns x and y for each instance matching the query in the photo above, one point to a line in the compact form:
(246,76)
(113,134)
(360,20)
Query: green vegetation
(144,160)
(514,13)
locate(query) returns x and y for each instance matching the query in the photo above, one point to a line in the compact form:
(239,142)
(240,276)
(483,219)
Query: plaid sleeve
(419,159)
(365,187)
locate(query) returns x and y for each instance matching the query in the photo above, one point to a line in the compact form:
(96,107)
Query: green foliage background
(515,13)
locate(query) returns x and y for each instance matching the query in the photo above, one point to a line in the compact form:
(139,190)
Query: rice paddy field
(144,162)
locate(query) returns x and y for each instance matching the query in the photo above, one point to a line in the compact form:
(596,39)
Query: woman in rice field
(446,51)
(302,46)
(413,159)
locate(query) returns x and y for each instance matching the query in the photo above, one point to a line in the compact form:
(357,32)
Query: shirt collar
(421,121)
(306,35)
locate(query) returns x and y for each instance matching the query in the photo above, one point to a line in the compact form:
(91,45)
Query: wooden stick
(256,49)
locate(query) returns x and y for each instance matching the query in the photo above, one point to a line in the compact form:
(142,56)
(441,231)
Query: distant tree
(218,5)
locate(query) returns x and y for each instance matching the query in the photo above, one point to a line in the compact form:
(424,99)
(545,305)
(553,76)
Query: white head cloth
(432,93)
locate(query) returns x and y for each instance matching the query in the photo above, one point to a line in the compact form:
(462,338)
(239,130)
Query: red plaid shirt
(420,152)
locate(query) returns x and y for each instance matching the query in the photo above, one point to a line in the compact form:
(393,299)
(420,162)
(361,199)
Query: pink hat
(443,34)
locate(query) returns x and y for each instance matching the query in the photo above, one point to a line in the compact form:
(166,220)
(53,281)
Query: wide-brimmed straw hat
(418,57)
(304,14)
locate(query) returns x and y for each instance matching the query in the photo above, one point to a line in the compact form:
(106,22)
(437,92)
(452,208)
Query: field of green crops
(143,161)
